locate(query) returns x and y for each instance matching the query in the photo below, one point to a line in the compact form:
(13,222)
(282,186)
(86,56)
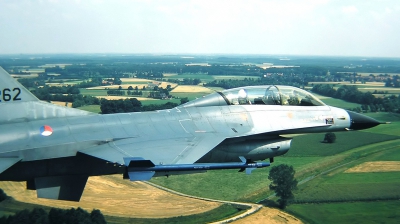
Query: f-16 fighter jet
(55,149)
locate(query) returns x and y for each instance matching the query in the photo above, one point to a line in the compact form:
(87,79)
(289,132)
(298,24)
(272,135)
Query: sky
(366,28)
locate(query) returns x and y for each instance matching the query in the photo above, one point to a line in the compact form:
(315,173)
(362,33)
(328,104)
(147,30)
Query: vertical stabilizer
(12,91)
(18,104)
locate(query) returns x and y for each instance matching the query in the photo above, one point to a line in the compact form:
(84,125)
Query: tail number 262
(10,95)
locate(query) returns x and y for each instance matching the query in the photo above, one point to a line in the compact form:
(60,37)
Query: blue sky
(289,27)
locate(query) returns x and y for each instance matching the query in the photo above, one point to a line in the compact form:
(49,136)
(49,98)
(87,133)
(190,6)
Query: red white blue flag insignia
(46,130)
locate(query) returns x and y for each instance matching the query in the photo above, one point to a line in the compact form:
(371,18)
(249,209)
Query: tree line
(47,93)
(273,79)
(367,100)
(133,105)
(55,216)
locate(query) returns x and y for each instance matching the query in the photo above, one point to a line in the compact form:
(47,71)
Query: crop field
(117,197)
(202,76)
(93,92)
(91,108)
(191,89)
(373,194)
(376,166)
(28,75)
(191,92)
(350,212)
(345,141)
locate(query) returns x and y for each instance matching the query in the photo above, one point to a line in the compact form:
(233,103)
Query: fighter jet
(55,149)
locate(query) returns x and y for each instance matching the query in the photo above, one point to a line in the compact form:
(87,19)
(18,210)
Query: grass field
(91,108)
(351,212)
(202,76)
(340,103)
(310,145)
(338,196)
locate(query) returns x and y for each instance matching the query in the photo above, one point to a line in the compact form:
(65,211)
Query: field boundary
(251,207)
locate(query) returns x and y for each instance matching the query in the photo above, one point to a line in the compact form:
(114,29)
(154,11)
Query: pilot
(294,98)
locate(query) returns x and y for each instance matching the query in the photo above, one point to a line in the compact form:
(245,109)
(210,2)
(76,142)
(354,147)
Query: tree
(330,137)
(97,217)
(184,100)
(283,183)
(3,196)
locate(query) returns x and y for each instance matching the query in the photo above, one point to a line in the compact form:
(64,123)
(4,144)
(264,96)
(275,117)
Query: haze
(308,27)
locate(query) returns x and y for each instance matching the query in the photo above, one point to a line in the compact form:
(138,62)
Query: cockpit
(258,95)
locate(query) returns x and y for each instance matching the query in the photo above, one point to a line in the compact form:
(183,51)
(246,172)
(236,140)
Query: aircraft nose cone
(359,121)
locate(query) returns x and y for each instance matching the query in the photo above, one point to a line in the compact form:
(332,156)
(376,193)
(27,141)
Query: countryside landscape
(355,179)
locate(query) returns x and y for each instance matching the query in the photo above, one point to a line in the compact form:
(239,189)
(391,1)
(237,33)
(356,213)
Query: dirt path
(270,216)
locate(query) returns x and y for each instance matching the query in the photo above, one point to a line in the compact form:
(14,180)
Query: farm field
(91,108)
(203,76)
(350,212)
(115,196)
(343,194)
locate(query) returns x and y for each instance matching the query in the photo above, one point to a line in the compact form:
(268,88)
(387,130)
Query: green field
(202,76)
(336,196)
(351,212)
(339,103)
(207,78)
(93,92)
(91,108)
(190,96)
(310,145)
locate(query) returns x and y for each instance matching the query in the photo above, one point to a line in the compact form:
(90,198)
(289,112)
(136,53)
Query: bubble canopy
(258,95)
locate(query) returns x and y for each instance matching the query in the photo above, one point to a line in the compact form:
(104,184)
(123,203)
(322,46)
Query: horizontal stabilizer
(137,162)
(249,170)
(141,175)
(69,188)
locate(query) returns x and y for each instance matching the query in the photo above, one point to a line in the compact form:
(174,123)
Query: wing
(183,150)
(7,162)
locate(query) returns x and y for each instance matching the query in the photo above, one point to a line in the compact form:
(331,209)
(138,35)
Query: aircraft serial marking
(7,96)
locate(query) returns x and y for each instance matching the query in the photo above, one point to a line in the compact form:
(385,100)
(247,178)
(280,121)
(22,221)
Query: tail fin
(13,91)
(18,104)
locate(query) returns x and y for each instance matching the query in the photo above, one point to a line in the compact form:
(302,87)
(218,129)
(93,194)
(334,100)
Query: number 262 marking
(10,95)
